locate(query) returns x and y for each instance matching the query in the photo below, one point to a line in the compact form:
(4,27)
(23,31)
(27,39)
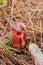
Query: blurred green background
(3,2)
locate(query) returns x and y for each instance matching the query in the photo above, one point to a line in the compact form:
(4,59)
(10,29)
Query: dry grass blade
(31,13)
